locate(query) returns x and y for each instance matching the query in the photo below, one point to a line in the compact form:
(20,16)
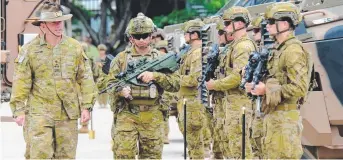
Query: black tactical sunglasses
(221,32)
(141,36)
(271,21)
(227,23)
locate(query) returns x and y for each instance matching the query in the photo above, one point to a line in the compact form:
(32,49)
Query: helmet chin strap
(234,30)
(51,31)
(278,32)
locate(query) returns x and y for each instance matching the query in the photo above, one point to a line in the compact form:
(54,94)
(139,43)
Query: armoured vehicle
(321,31)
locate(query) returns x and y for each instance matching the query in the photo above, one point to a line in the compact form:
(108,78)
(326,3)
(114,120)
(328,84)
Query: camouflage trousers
(208,132)
(282,135)
(219,141)
(233,126)
(52,139)
(145,127)
(195,116)
(27,136)
(166,128)
(102,99)
(256,134)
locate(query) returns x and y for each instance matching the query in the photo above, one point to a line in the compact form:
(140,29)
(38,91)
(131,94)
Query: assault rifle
(256,69)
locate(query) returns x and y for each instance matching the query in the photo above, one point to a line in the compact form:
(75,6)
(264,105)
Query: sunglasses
(221,32)
(140,36)
(271,21)
(256,30)
(227,23)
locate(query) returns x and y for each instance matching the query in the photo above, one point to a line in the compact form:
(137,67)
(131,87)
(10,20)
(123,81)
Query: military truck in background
(321,31)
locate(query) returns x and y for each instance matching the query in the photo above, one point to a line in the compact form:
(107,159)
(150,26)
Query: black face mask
(140,36)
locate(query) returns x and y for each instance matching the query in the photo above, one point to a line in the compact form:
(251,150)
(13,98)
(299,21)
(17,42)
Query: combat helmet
(192,25)
(217,20)
(159,32)
(256,22)
(102,47)
(141,25)
(162,44)
(237,12)
(281,10)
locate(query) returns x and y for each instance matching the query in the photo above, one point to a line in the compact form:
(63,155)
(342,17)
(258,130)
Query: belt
(286,107)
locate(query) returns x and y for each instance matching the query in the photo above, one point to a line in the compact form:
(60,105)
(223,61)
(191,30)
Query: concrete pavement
(12,145)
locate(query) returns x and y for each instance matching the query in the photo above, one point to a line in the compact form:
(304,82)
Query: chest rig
(276,64)
(225,63)
(142,94)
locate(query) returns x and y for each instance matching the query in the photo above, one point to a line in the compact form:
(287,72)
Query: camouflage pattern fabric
(53,138)
(228,81)
(282,127)
(131,124)
(219,142)
(53,84)
(208,133)
(27,135)
(256,134)
(185,82)
(146,127)
(282,138)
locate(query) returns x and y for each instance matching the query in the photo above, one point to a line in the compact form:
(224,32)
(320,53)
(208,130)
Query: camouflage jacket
(289,64)
(185,79)
(118,65)
(48,76)
(232,63)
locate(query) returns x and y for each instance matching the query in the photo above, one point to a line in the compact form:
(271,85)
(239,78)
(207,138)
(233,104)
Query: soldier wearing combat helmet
(287,82)
(236,56)
(256,24)
(136,107)
(184,81)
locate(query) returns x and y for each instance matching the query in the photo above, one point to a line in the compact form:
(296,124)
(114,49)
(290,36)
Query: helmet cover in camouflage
(283,9)
(192,25)
(237,12)
(161,44)
(215,19)
(102,47)
(159,32)
(256,22)
(84,46)
(141,24)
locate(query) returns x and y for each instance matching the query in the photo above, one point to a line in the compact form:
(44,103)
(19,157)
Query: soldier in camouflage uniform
(257,123)
(167,97)
(219,142)
(236,19)
(289,68)
(185,81)
(47,72)
(138,109)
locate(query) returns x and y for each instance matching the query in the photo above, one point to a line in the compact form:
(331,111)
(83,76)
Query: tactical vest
(278,72)
(142,95)
(222,68)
